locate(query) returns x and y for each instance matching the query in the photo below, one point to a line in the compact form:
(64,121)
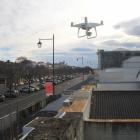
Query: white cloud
(24,21)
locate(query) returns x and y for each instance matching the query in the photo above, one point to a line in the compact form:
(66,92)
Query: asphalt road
(57,104)
(26,100)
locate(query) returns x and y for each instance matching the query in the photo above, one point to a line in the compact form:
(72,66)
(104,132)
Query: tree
(21,59)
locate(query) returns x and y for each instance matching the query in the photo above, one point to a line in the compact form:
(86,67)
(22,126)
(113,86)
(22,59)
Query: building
(3,81)
(118,75)
(114,115)
(68,124)
(115,58)
(69,127)
(102,115)
(114,110)
(128,72)
(98,115)
(110,109)
(132,62)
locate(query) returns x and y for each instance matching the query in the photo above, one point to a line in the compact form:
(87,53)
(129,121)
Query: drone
(87,26)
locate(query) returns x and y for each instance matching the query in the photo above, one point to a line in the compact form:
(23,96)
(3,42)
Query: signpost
(49,88)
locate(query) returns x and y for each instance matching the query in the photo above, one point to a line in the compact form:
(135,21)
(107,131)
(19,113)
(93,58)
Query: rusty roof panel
(115,105)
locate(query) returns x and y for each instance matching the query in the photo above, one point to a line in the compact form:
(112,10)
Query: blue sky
(24,21)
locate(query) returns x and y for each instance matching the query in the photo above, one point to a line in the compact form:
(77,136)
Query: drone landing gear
(88,34)
(78,34)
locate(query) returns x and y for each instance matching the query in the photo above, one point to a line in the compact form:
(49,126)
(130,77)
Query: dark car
(2,98)
(24,89)
(41,86)
(27,90)
(11,94)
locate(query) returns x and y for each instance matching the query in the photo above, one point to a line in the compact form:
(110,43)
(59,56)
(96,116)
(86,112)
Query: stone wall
(111,131)
(70,127)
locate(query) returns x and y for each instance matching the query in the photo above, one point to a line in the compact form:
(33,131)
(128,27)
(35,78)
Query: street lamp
(40,45)
(82,58)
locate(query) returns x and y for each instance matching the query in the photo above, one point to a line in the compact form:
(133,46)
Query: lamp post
(82,64)
(40,45)
(81,59)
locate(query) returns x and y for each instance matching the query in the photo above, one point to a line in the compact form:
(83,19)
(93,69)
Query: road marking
(7,115)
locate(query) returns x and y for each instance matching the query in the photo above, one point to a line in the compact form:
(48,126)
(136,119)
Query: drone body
(87,27)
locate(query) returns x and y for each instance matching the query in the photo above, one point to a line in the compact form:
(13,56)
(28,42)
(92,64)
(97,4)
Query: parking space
(36,85)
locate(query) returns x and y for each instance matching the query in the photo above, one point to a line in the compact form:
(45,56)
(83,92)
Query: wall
(86,110)
(8,126)
(111,131)
(69,127)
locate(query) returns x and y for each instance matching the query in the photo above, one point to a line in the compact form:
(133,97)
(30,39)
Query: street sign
(49,88)
(82,76)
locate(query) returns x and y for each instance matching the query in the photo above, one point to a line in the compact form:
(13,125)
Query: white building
(130,72)
(133,62)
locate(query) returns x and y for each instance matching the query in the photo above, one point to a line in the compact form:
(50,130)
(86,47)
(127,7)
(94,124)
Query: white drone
(87,26)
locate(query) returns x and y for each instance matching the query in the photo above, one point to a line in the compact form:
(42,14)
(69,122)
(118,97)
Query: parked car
(2,98)
(41,86)
(27,89)
(36,88)
(11,94)
(67,102)
(32,89)
(24,89)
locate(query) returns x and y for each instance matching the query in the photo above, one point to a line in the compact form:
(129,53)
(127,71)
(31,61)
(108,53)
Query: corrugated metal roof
(115,105)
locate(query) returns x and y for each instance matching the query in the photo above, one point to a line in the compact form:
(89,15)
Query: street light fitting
(39,44)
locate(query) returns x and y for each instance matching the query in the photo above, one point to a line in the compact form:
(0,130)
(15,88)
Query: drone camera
(88,33)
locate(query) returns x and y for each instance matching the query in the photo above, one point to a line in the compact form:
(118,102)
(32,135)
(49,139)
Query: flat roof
(115,105)
(79,100)
(76,106)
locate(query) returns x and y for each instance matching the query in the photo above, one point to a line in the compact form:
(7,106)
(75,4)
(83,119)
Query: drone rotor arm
(93,25)
(76,25)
